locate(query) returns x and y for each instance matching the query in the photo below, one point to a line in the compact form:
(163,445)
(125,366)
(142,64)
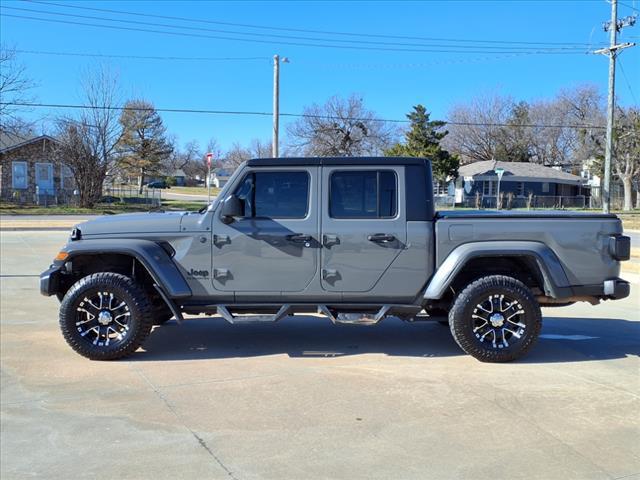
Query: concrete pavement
(305,399)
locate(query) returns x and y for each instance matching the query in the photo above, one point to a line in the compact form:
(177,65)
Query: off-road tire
(139,321)
(461,321)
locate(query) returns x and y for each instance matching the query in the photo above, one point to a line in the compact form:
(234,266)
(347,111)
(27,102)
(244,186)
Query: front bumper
(50,281)
(614,289)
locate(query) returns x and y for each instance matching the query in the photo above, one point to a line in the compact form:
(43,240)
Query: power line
(139,57)
(293,115)
(341,66)
(627,5)
(347,47)
(287,29)
(624,74)
(541,50)
(286,37)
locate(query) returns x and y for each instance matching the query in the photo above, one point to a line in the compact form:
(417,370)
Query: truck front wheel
(105,316)
(495,319)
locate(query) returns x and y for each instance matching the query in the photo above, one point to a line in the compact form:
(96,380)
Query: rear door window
(363,194)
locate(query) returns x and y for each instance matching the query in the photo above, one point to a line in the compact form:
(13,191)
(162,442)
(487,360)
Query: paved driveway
(304,399)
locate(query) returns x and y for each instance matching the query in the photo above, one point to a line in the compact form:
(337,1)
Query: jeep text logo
(199,273)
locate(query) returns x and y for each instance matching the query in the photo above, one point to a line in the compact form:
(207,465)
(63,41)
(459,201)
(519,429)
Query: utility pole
(276,105)
(613,26)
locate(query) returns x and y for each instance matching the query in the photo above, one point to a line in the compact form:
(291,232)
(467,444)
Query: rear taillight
(620,247)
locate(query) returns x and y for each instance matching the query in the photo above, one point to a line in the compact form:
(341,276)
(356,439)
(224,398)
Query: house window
(520,189)
(66,177)
(489,187)
(545,187)
(363,194)
(19,175)
(439,188)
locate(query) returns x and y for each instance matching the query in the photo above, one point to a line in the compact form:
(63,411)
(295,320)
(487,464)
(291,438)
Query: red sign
(209,157)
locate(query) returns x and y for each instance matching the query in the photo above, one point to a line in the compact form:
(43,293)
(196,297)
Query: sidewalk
(41,222)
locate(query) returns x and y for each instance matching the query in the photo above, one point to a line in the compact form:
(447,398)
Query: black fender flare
(555,280)
(152,256)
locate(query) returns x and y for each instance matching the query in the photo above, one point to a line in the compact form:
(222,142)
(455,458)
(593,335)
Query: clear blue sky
(389,81)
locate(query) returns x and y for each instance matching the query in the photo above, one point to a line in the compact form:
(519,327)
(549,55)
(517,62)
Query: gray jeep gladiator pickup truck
(354,239)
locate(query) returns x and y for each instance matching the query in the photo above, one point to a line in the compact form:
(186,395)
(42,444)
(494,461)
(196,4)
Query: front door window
(44,178)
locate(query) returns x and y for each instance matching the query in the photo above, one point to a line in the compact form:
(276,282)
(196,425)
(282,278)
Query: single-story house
(220,177)
(28,168)
(520,179)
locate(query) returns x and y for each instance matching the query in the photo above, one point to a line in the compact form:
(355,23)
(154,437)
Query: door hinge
(221,239)
(328,273)
(219,273)
(328,240)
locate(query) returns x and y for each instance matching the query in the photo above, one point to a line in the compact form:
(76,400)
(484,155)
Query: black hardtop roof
(318,161)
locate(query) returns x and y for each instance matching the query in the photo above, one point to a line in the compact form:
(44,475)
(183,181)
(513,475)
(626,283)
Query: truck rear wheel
(105,316)
(495,319)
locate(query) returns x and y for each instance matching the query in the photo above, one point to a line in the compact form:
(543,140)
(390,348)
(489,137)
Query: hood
(164,222)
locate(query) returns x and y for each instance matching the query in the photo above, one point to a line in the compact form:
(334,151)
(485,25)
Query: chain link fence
(531,202)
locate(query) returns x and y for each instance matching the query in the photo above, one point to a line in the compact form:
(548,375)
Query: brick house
(28,168)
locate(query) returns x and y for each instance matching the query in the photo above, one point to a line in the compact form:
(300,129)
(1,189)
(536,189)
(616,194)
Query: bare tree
(14,90)
(88,141)
(561,131)
(475,131)
(237,153)
(340,127)
(626,161)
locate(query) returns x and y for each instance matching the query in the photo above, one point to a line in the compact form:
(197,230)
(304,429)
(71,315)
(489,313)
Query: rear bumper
(613,289)
(50,281)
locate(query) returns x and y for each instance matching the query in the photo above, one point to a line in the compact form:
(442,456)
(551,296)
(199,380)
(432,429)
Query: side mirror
(232,207)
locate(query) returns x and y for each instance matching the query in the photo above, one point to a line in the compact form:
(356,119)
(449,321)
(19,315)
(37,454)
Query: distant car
(158,184)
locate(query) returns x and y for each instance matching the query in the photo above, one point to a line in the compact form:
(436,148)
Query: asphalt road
(305,399)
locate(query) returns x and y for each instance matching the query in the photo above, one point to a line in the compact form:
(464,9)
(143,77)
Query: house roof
(517,169)
(11,141)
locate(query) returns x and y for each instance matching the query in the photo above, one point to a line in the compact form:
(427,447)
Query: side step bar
(370,314)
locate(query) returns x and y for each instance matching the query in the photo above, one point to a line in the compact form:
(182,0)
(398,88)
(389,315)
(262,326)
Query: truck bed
(580,241)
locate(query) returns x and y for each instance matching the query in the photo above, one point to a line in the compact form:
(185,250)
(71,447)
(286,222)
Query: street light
(209,158)
(276,102)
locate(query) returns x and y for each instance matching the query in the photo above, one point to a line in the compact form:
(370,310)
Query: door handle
(381,238)
(299,238)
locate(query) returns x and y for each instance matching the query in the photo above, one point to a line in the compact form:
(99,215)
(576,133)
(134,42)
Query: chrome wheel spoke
(486,322)
(521,325)
(102,318)
(498,320)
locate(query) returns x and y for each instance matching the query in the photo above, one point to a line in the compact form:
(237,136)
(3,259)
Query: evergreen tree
(423,140)
(143,146)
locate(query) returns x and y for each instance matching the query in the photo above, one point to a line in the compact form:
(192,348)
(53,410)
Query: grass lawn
(7,208)
(194,190)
